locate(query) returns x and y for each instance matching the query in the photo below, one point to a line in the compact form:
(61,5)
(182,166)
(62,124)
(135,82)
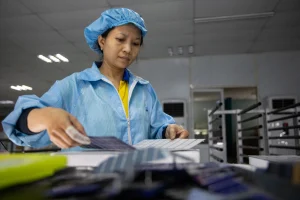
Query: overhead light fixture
(21,88)
(6,102)
(16,87)
(44,58)
(57,58)
(234,17)
(62,58)
(24,87)
(53,58)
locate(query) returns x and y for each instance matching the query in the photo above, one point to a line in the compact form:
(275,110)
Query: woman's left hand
(175,131)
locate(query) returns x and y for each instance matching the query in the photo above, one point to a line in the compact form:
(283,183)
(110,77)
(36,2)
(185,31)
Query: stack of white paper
(177,144)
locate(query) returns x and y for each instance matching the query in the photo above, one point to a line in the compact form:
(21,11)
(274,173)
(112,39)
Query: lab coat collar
(94,74)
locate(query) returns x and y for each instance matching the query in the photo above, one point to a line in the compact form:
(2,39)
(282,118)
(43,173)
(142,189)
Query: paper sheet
(177,144)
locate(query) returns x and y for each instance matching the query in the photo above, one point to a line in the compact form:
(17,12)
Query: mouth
(125,58)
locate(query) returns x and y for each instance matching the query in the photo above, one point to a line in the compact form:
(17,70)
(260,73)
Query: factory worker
(104,100)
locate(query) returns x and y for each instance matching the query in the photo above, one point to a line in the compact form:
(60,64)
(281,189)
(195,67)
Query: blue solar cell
(107,143)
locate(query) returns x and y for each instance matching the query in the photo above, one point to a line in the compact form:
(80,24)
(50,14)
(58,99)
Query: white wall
(223,71)
(279,74)
(274,73)
(169,77)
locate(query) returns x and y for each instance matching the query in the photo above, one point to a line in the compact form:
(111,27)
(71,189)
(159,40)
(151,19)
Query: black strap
(22,124)
(164,132)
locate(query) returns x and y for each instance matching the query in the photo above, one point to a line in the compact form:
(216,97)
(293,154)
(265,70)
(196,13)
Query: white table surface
(94,158)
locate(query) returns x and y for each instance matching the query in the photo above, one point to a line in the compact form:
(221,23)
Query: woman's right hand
(60,125)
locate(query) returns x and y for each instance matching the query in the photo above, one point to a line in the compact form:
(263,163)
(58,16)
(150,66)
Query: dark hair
(105,34)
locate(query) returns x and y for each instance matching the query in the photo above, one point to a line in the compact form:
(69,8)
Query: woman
(104,100)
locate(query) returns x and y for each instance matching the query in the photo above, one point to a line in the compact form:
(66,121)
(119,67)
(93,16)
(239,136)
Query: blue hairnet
(109,19)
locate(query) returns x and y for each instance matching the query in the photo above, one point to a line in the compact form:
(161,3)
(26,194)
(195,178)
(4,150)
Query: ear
(101,42)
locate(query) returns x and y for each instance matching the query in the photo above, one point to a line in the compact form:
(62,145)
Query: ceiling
(32,27)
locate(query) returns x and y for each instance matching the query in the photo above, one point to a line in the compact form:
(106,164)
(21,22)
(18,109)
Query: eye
(136,44)
(120,39)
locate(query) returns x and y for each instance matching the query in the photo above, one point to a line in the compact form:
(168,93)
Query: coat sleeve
(159,120)
(52,98)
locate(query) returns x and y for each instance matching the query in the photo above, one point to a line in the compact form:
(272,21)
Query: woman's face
(121,46)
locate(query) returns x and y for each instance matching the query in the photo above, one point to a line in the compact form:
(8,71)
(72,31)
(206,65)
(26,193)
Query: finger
(77,125)
(172,132)
(77,136)
(183,134)
(178,130)
(58,142)
(60,133)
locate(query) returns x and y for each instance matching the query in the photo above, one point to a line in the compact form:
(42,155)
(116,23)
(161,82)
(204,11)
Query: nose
(127,47)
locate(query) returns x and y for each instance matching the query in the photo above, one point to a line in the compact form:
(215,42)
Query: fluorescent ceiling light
(62,58)
(43,58)
(233,17)
(24,87)
(16,87)
(53,58)
(7,102)
(20,88)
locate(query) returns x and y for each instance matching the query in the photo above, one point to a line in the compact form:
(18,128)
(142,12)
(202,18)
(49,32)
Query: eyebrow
(127,35)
